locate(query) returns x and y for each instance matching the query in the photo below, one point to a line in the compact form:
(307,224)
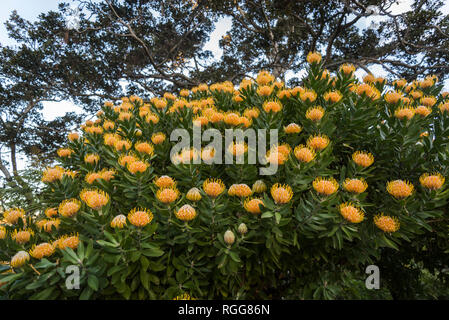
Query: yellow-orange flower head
(119,221)
(325,186)
(404,113)
(315,113)
(252,205)
(333,96)
(186,213)
(313,57)
(69,207)
(22,236)
(53,174)
(193,194)
(167,195)
(274,106)
(387,223)
(318,142)
(158,138)
(19,259)
(355,185)
(351,212)
(432,181)
(95,199)
(240,190)
(281,194)
(13,215)
(363,159)
(400,189)
(213,187)
(140,217)
(42,250)
(423,111)
(259,186)
(138,166)
(144,147)
(292,128)
(164,182)
(304,154)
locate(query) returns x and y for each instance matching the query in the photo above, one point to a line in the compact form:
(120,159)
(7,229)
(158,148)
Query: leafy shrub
(361,167)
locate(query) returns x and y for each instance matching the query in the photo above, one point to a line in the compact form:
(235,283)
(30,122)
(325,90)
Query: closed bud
(242,228)
(229,237)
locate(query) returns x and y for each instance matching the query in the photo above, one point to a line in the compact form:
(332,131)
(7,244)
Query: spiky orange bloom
(110,139)
(355,185)
(315,113)
(240,190)
(213,187)
(159,103)
(64,152)
(368,90)
(125,160)
(309,95)
(164,182)
(193,194)
(416,94)
(428,101)
(125,116)
(281,194)
(152,118)
(264,91)
(73,136)
(47,224)
(158,138)
(400,189)
(393,97)
(304,154)
(107,174)
(137,166)
(313,57)
(51,212)
(167,195)
(362,158)
(259,186)
(2,232)
(347,69)
(186,213)
(251,113)
(44,249)
(284,94)
(121,145)
(92,176)
(13,215)
(351,212)
(252,205)
(140,217)
(318,142)
(119,221)
(19,259)
(144,147)
(53,174)
(325,186)
(273,105)
(432,181)
(69,207)
(66,241)
(95,199)
(369,78)
(387,223)
(404,112)
(232,118)
(423,111)
(444,107)
(91,158)
(22,236)
(184,93)
(264,77)
(333,96)
(238,149)
(292,128)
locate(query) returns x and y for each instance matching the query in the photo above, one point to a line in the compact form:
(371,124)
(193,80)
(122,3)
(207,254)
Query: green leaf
(92,281)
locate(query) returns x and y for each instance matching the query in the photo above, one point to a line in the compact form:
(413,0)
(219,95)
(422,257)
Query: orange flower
(137,166)
(92,176)
(347,69)
(51,212)
(193,194)
(164,182)
(264,77)
(125,160)
(140,217)
(73,136)
(186,213)
(240,190)
(432,181)
(325,186)
(274,106)
(318,142)
(259,186)
(232,118)
(213,187)
(53,174)
(119,145)
(428,101)
(281,194)
(13,215)
(22,236)
(313,57)
(144,147)
(118,221)
(309,95)
(91,158)
(95,199)
(351,212)
(252,205)
(71,242)
(158,138)
(167,195)
(404,112)
(292,128)
(19,259)
(69,207)
(423,111)
(264,91)
(355,185)
(363,159)
(64,152)
(393,97)
(387,223)
(304,154)
(400,189)
(315,113)
(333,96)
(44,249)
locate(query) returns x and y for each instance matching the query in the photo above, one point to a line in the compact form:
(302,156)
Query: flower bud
(229,237)
(242,229)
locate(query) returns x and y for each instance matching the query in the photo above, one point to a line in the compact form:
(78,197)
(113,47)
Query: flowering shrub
(361,166)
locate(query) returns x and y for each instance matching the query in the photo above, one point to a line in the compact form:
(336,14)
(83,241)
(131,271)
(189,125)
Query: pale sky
(30,9)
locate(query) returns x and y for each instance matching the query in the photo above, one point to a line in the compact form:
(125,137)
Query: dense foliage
(361,170)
